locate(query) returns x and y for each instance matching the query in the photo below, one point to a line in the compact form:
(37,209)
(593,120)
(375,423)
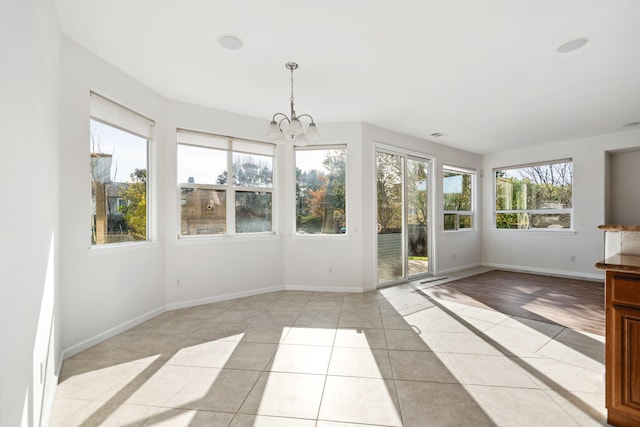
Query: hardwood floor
(573,303)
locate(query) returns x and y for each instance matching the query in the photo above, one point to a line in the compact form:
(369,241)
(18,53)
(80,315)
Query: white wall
(550,252)
(218,267)
(464,244)
(624,170)
(29,154)
(102,288)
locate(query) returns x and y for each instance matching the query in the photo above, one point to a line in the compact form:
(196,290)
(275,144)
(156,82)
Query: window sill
(462,230)
(561,231)
(320,237)
(226,238)
(118,248)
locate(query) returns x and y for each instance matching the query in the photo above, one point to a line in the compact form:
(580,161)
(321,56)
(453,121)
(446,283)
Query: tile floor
(392,357)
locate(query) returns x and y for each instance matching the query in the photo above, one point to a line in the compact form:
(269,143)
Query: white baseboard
(217,298)
(96,339)
(546,271)
(348,289)
(463,267)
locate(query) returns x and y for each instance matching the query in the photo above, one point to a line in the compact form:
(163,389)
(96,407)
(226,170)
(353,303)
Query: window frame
(553,211)
(117,116)
(319,147)
(472,213)
(230,188)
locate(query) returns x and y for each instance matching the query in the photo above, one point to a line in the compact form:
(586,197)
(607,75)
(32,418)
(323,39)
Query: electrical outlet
(330,270)
(573,258)
(454,257)
(178,283)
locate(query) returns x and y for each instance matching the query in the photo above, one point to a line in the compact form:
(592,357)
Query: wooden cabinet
(623,348)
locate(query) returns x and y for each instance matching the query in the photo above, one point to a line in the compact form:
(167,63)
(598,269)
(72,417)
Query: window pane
(457,221)
(252,170)
(457,191)
(253,212)
(118,185)
(550,220)
(200,165)
(202,211)
(545,186)
(320,191)
(512,220)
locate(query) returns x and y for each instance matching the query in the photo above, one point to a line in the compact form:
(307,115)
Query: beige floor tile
(327,305)
(339,424)
(246,355)
(200,353)
(156,386)
(285,395)
(302,359)
(360,319)
(206,311)
(406,300)
(310,336)
(484,314)
(360,338)
(213,389)
(459,324)
(514,339)
(318,318)
(220,331)
(425,316)
(520,407)
(327,296)
(491,370)
(528,325)
(277,317)
(188,418)
(289,305)
(96,414)
(236,315)
(422,366)
(429,339)
(394,321)
(466,343)
(584,357)
(360,400)
(179,325)
(556,375)
(360,362)
(404,340)
(583,339)
(243,420)
(586,408)
(64,410)
(265,333)
(88,380)
(437,404)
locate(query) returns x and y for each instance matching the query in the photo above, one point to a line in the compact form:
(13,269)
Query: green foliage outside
(321,196)
(135,210)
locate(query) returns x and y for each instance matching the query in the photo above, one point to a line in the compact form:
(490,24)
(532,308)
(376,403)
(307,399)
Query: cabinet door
(626,361)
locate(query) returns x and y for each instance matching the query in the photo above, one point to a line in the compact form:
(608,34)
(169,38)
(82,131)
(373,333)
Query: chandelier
(283,127)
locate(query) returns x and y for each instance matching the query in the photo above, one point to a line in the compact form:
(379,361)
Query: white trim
(118,248)
(546,271)
(203,239)
(350,289)
(561,231)
(460,268)
(224,297)
(321,236)
(98,338)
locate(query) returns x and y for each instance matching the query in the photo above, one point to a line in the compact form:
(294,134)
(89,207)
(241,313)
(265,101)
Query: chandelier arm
(306,115)
(273,119)
(282,120)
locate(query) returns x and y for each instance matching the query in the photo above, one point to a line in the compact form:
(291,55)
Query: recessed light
(572,45)
(631,124)
(229,41)
(438,134)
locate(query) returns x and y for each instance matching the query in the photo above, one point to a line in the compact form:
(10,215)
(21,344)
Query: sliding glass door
(402,216)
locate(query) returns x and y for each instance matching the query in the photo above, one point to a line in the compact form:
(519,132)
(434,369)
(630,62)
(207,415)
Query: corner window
(536,196)
(118,145)
(457,186)
(225,184)
(321,190)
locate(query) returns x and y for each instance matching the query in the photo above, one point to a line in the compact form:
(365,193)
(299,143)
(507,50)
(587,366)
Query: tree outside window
(321,191)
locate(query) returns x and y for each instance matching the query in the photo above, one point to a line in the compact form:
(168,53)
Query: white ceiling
(486,73)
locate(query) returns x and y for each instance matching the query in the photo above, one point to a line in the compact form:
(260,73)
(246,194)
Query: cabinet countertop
(621,262)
